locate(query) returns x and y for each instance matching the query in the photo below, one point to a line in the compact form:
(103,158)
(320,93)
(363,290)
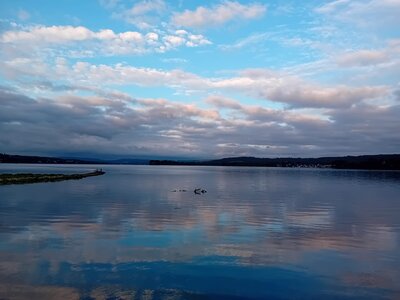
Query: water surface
(258,233)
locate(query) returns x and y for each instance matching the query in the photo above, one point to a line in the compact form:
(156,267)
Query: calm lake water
(258,233)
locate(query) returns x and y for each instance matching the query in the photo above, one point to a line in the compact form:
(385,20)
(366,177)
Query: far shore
(23,178)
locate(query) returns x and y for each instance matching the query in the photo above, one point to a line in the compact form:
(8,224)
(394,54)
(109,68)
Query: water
(258,233)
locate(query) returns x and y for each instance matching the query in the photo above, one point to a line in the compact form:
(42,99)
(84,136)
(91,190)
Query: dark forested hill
(24,159)
(7,158)
(367,162)
(373,162)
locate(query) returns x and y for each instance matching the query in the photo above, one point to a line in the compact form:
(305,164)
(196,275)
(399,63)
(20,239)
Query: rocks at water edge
(199,191)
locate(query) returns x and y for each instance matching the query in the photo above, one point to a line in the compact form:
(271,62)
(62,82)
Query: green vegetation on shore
(22,178)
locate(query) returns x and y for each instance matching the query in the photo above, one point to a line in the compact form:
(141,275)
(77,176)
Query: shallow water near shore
(258,233)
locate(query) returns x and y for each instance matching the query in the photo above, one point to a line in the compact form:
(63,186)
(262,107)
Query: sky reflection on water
(257,233)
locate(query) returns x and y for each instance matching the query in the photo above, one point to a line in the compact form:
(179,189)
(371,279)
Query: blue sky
(200,79)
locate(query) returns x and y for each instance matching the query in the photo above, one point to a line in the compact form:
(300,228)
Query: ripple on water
(257,232)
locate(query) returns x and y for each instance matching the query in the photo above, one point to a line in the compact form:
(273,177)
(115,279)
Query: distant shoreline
(24,178)
(361,162)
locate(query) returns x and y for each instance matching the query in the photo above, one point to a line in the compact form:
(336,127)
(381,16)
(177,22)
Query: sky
(199,79)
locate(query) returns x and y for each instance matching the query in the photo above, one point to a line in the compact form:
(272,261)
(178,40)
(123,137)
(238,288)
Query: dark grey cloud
(105,124)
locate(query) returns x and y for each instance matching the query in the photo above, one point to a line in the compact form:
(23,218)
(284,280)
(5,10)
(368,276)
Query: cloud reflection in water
(257,233)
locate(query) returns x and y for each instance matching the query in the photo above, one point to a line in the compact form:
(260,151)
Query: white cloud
(146,6)
(371,65)
(143,14)
(152,39)
(131,36)
(362,58)
(191,40)
(331,6)
(106,34)
(260,84)
(174,41)
(297,92)
(218,14)
(372,14)
(181,32)
(174,60)
(51,34)
(255,38)
(152,36)
(103,42)
(195,40)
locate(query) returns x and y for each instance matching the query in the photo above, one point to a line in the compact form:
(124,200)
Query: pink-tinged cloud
(218,14)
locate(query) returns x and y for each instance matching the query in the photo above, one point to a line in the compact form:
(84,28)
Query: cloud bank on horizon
(200,79)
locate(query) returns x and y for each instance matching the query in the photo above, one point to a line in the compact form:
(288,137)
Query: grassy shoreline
(23,178)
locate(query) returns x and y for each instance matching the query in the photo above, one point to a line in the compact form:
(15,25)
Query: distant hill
(119,161)
(129,161)
(367,162)
(23,159)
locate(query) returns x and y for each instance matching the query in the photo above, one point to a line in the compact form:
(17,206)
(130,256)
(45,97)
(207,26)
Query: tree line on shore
(367,162)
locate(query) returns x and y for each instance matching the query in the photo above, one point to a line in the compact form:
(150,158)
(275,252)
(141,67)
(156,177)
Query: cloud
(107,123)
(384,13)
(369,124)
(193,40)
(105,41)
(271,86)
(263,84)
(218,14)
(362,58)
(388,53)
(255,38)
(332,6)
(152,36)
(144,7)
(143,14)
(175,60)
(336,93)
(51,34)
(23,15)
(130,36)
(296,92)
(316,96)
(223,102)
(174,41)
(109,4)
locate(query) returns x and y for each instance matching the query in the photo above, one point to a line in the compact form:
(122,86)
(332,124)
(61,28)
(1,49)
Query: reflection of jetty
(33,178)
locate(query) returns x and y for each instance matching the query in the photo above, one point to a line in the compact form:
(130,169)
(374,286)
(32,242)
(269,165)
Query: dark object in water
(22,178)
(199,191)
